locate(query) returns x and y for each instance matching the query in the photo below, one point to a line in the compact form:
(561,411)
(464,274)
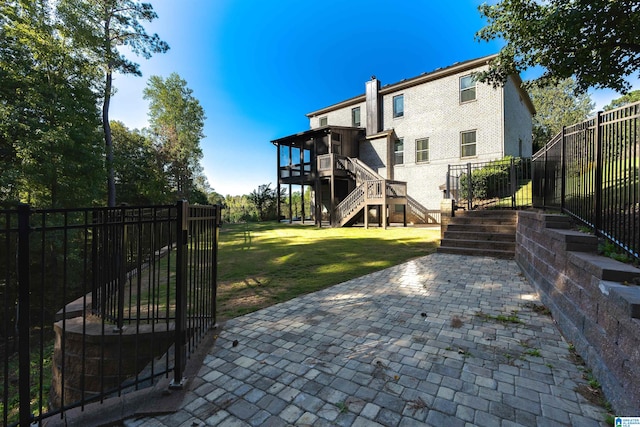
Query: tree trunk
(106,126)
(111,183)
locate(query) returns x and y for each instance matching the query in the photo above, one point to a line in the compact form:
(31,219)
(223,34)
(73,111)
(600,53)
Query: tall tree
(557,106)
(103,27)
(596,41)
(48,132)
(139,177)
(176,122)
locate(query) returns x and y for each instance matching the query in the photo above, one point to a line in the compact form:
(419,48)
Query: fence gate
(502,184)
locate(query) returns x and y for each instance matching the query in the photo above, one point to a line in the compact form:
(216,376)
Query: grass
(501,318)
(260,264)
(35,361)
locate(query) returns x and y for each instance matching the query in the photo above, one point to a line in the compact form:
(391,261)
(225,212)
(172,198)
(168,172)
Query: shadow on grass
(265,263)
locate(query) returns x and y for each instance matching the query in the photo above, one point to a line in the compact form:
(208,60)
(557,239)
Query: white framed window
(467,88)
(324,121)
(398,152)
(355,117)
(398,106)
(468,143)
(422,150)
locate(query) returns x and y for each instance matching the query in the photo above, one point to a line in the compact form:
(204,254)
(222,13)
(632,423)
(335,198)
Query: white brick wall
(433,110)
(341,117)
(517,123)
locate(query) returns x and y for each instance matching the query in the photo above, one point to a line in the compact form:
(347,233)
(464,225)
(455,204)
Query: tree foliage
(595,41)
(176,125)
(238,209)
(557,106)
(48,131)
(264,199)
(102,27)
(56,62)
(139,177)
(629,98)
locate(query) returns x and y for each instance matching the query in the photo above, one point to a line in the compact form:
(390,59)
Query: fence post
(216,237)
(24,351)
(598,176)
(545,179)
(563,168)
(512,172)
(180,350)
(122,273)
(470,188)
(447,183)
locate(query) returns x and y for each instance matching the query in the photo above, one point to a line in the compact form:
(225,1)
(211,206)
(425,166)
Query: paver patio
(443,340)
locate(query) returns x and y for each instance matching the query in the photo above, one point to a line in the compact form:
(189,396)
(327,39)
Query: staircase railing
(352,202)
(361,171)
(424,215)
(374,191)
(370,186)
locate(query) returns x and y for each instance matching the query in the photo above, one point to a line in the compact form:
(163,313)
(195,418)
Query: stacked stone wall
(592,298)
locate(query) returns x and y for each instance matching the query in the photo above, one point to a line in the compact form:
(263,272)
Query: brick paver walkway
(444,340)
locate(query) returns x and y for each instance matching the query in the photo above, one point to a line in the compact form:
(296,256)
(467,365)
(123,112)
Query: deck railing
(359,170)
(590,171)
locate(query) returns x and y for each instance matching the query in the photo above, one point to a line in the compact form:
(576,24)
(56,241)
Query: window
(467,88)
(398,152)
(323,121)
(398,106)
(468,144)
(355,117)
(422,150)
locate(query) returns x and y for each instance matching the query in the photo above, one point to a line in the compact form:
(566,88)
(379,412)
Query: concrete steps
(481,233)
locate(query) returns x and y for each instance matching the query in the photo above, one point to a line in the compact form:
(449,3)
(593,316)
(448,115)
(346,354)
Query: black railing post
(512,173)
(24,351)
(448,183)
(122,271)
(182,225)
(470,188)
(598,175)
(216,236)
(563,168)
(545,179)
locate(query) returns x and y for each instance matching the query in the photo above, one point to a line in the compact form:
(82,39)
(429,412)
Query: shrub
(488,182)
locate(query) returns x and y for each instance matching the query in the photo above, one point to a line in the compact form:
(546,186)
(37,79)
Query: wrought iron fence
(590,172)
(502,183)
(101,301)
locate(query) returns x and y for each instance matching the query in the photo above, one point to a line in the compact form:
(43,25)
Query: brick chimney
(374,106)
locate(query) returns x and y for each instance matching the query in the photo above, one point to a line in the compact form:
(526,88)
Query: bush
(488,182)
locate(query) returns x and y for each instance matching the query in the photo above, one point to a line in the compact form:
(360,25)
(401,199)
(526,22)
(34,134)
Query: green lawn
(265,263)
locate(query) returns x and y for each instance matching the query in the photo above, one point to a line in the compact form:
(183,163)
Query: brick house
(390,147)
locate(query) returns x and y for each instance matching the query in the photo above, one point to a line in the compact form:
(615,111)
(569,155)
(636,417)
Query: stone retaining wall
(592,299)
(95,361)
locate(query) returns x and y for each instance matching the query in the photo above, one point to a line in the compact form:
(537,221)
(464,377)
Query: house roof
(297,139)
(426,77)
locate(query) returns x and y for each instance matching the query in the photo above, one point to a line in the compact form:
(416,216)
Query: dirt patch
(593,395)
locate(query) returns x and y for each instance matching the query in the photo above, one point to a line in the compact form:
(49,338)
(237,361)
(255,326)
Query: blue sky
(258,66)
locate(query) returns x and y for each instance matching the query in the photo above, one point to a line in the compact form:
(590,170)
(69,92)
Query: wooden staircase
(371,189)
(481,233)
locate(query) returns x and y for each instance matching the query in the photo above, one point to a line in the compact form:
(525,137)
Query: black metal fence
(101,301)
(502,184)
(590,172)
